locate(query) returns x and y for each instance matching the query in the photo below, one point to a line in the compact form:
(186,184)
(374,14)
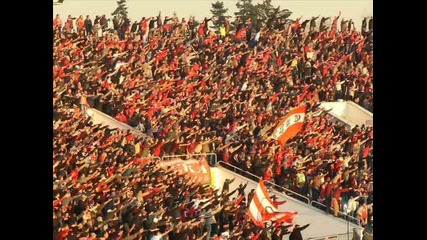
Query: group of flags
(262,208)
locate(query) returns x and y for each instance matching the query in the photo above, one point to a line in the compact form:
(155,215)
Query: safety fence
(256,178)
(211,158)
(342,215)
(342,236)
(288,192)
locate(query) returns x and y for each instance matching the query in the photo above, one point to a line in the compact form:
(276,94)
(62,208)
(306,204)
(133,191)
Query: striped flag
(287,217)
(261,205)
(290,125)
(262,208)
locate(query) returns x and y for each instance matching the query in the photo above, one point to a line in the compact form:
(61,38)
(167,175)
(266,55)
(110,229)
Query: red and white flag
(290,125)
(262,208)
(261,205)
(287,217)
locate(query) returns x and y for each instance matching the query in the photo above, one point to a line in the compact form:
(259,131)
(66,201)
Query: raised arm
(303,227)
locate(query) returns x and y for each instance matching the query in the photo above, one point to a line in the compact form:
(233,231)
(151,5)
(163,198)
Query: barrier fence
(256,178)
(210,157)
(288,192)
(342,236)
(340,214)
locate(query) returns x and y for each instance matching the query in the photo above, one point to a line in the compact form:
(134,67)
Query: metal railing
(342,236)
(341,215)
(256,178)
(288,193)
(157,159)
(210,157)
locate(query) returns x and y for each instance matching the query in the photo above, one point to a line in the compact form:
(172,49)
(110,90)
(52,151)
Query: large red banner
(196,169)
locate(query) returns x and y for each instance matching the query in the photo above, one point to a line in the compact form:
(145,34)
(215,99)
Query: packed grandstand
(189,90)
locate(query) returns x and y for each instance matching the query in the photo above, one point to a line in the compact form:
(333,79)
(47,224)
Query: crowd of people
(103,189)
(189,90)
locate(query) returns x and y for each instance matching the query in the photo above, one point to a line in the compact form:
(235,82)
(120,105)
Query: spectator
(88,25)
(296,232)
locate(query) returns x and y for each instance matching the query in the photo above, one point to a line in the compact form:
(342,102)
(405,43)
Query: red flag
(290,125)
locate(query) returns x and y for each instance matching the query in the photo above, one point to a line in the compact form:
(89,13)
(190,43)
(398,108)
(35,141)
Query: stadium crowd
(191,90)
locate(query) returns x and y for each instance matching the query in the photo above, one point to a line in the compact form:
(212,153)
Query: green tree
(121,10)
(283,14)
(218,11)
(246,9)
(267,10)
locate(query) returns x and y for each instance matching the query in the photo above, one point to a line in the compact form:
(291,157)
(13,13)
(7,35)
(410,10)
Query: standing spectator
(296,232)
(69,25)
(226,185)
(329,186)
(104,23)
(116,23)
(88,25)
(134,27)
(322,25)
(362,213)
(57,22)
(336,200)
(313,23)
(80,25)
(352,205)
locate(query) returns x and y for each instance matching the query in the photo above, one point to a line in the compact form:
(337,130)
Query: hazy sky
(354,9)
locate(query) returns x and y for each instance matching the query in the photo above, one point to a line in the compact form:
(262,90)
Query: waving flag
(261,205)
(290,125)
(287,217)
(262,208)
